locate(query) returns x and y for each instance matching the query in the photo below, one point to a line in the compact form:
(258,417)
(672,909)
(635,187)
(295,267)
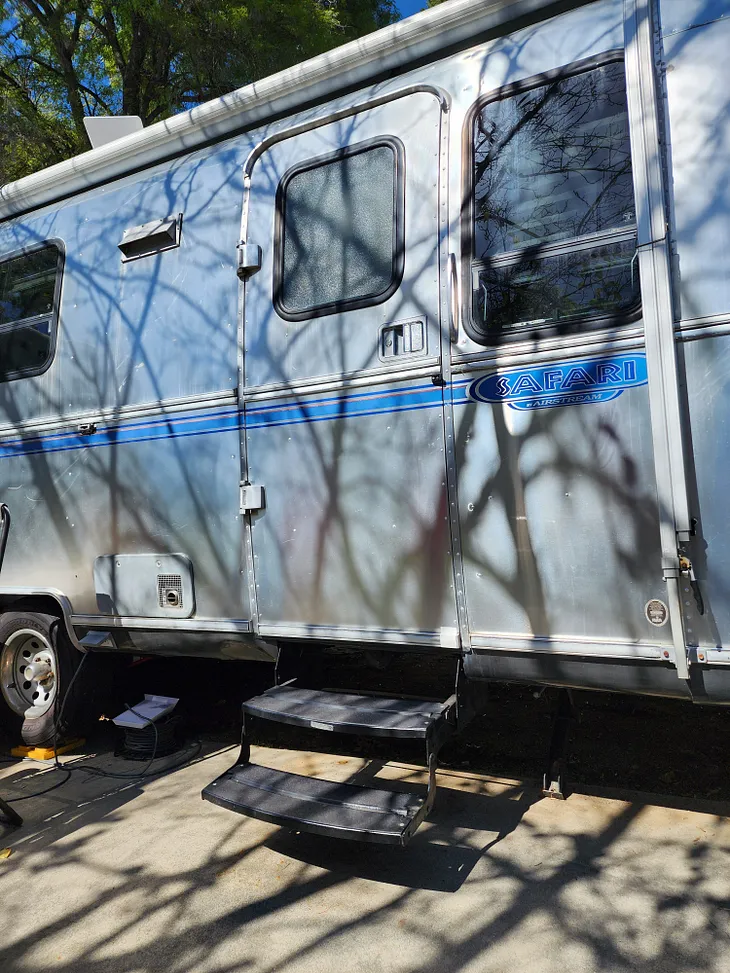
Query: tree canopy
(63,59)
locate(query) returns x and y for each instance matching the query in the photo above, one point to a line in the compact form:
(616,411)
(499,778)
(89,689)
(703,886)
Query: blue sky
(408,7)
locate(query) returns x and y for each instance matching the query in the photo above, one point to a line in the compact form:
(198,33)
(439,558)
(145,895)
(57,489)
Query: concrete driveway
(115,877)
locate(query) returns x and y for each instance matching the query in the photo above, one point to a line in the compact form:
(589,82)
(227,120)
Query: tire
(31,640)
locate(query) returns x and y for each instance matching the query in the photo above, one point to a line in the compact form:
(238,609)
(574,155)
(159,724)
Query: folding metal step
(327,807)
(346,712)
(319,806)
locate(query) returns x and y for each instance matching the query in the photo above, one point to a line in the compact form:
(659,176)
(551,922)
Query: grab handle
(453,297)
(4,530)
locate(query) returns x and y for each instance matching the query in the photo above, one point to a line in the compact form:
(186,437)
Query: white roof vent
(102,129)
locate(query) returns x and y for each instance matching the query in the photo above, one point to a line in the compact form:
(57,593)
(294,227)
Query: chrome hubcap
(28,673)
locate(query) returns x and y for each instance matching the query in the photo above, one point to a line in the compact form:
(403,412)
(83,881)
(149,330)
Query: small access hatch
(145,585)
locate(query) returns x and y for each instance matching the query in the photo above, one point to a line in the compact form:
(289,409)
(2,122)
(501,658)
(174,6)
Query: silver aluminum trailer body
(551,506)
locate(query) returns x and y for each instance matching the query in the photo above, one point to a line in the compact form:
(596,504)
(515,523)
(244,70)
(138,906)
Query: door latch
(252,498)
(688,572)
(402,338)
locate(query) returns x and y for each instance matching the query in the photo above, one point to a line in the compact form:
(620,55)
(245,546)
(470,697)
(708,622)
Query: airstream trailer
(423,344)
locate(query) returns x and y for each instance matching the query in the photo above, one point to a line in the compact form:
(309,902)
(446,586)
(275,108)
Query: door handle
(453,299)
(402,339)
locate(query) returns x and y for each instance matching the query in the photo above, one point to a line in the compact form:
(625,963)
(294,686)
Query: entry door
(560,525)
(344,424)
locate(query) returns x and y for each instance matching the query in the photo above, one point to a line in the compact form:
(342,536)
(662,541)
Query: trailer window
(554,227)
(29,288)
(340,231)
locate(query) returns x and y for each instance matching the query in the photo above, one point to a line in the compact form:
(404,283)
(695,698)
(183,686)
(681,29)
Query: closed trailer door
(557,373)
(343,396)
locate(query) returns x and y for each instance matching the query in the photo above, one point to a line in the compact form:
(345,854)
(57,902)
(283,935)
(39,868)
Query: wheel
(37,663)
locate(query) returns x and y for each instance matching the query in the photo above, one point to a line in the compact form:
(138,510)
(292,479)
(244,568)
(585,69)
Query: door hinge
(249,260)
(671,574)
(686,569)
(252,498)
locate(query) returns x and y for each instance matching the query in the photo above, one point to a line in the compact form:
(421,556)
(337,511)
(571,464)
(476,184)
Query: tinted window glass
(575,284)
(28,287)
(25,348)
(552,166)
(340,232)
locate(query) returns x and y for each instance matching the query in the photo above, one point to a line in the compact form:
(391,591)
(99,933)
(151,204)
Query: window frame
(398,237)
(54,314)
(577,325)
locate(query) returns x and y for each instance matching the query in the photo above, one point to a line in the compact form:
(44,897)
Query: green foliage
(63,59)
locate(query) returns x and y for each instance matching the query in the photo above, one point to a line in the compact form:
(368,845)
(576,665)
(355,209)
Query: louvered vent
(169,590)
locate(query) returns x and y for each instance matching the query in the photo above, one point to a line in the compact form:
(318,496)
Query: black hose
(158,739)
(145,747)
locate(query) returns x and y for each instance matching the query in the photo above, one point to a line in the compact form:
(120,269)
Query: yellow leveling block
(46,753)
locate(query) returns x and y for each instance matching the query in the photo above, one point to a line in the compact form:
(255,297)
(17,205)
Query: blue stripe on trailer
(550,385)
(202,423)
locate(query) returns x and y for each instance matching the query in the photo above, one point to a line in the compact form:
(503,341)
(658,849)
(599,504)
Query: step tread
(345,712)
(316,805)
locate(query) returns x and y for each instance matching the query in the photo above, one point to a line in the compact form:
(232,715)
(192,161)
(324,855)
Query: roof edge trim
(317,79)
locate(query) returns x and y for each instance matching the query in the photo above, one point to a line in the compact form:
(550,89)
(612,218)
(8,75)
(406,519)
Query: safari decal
(561,383)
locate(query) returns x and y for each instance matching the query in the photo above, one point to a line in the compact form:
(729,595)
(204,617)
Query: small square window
(340,231)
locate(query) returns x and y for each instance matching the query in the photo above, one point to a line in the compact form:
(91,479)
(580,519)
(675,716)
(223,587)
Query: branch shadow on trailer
(107,364)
